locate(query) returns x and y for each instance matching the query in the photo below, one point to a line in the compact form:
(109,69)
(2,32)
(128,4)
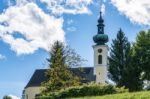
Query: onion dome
(100,38)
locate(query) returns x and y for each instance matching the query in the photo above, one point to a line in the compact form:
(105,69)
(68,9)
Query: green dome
(100,39)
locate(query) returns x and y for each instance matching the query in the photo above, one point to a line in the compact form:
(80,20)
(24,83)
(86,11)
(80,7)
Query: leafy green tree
(141,50)
(59,73)
(7,97)
(122,71)
(72,58)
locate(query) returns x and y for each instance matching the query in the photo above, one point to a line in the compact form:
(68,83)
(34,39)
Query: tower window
(99,59)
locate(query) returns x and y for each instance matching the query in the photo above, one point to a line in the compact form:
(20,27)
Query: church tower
(100,52)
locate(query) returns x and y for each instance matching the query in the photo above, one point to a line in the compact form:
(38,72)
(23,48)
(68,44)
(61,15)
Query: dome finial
(100,14)
(100,24)
(100,38)
(100,18)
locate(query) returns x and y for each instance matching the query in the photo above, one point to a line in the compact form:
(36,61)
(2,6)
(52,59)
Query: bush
(7,97)
(85,90)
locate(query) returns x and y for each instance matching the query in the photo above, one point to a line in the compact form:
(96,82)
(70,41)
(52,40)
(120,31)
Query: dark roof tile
(39,76)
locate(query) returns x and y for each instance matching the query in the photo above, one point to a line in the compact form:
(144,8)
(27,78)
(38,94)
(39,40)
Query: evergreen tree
(121,69)
(59,73)
(142,53)
(7,97)
(132,77)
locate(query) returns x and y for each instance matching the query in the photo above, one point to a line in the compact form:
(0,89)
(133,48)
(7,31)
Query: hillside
(135,95)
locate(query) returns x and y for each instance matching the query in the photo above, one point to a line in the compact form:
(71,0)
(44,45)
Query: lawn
(135,95)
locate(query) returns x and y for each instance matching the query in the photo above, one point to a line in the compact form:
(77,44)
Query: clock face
(100,50)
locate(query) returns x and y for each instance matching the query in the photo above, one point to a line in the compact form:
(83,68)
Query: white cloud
(101,4)
(103,9)
(71,29)
(104,0)
(70,21)
(138,11)
(23,2)
(2,57)
(14,97)
(39,30)
(9,3)
(59,7)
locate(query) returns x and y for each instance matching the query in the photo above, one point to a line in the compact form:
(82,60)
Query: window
(99,59)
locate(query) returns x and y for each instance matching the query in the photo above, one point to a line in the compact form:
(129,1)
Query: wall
(100,70)
(31,92)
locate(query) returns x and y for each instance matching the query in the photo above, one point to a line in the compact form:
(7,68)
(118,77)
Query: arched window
(99,59)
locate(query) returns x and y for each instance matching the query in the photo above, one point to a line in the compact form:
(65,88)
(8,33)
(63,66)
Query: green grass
(135,95)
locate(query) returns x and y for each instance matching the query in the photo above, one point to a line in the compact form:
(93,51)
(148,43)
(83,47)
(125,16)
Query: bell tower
(100,52)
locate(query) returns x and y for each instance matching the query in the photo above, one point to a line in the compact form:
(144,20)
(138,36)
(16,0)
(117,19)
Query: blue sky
(29,27)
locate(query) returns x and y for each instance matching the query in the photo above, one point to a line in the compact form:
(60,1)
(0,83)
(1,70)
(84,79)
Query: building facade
(33,88)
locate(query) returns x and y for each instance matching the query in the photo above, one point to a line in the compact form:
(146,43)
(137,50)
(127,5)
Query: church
(98,73)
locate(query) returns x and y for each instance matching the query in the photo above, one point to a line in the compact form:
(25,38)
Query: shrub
(7,97)
(85,90)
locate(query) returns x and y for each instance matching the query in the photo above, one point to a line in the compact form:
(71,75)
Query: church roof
(39,76)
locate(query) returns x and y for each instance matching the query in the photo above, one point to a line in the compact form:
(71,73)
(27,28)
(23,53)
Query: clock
(100,50)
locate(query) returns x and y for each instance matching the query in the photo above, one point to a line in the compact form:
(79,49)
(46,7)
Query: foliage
(85,90)
(133,95)
(7,97)
(59,73)
(141,50)
(119,57)
(122,69)
(73,59)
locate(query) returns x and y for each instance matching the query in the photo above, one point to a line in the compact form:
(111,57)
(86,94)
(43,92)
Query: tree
(142,53)
(72,58)
(133,79)
(122,71)
(59,73)
(7,97)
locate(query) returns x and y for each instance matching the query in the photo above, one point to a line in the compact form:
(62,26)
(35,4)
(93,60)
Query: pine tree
(142,53)
(132,78)
(122,71)
(59,73)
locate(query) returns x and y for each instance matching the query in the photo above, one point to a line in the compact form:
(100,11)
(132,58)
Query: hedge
(85,90)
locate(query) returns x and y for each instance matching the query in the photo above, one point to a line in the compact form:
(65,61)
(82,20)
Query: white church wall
(103,53)
(31,92)
(100,70)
